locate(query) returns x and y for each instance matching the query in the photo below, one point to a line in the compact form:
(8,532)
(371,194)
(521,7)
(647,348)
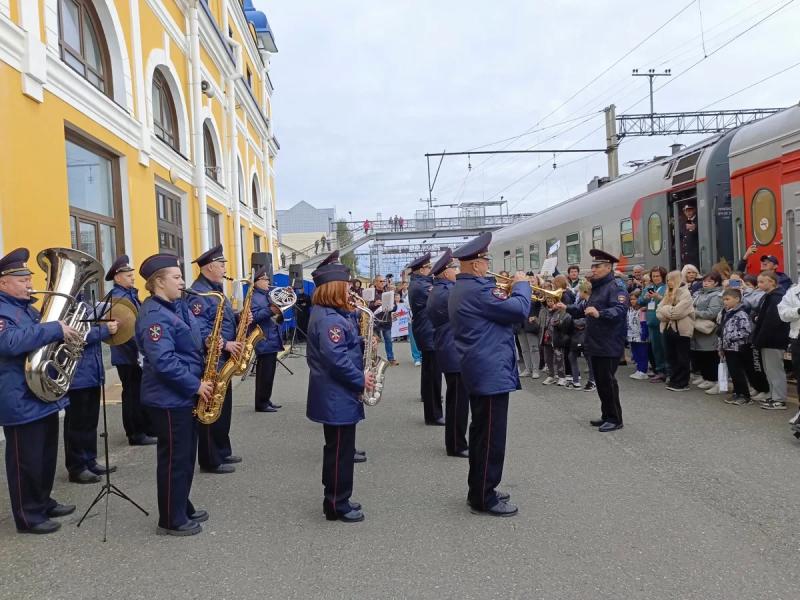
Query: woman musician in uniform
(170,341)
(336,381)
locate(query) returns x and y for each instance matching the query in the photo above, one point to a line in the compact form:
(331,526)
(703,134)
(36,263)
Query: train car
(765,184)
(679,209)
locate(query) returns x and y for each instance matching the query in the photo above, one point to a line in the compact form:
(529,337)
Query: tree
(344,237)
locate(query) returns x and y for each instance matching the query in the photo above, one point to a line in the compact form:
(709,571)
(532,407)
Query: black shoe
(361,452)
(355,506)
(101,470)
(460,454)
(501,509)
(266,409)
(85,476)
(61,510)
(502,496)
(143,440)
(589,387)
(220,469)
(437,423)
(232,459)
(42,528)
(359,458)
(199,516)
(609,426)
(354,516)
(188,528)
(275,406)
(596,422)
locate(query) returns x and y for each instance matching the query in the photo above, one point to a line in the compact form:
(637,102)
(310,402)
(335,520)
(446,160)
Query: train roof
(765,139)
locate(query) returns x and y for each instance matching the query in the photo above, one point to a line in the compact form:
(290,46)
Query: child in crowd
(637,335)
(584,289)
(558,329)
(751,295)
(734,346)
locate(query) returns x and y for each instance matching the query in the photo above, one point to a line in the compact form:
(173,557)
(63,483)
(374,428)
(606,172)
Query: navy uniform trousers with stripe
(456,414)
(31,456)
(337,468)
(176,451)
(487,448)
(215,439)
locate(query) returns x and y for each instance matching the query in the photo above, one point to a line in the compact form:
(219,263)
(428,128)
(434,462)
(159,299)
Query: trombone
(537,293)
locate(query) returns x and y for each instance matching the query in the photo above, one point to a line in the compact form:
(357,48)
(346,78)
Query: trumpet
(538,294)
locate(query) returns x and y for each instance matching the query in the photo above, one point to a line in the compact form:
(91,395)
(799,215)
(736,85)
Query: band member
(267,316)
(456,405)
(125,357)
(604,339)
(430,377)
(83,413)
(172,346)
(482,318)
(214,453)
(30,425)
(336,380)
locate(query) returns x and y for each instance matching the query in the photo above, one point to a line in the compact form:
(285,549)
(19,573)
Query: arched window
(212,168)
(165,119)
(82,44)
(242,197)
(254,194)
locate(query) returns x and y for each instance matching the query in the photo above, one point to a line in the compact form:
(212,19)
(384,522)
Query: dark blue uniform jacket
(263,317)
(336,364)
(437,310)
(127,353)
(482,317)
(605,335)
(421,325)
(204,308)
(172,346)
(90,371)
(21,333)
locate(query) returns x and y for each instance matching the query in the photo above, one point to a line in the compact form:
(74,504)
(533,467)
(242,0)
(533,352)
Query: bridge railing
(439,223)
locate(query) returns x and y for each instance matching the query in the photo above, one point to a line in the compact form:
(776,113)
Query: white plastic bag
(722,376)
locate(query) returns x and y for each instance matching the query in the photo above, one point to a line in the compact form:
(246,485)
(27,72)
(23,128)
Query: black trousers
(80,429)
(678,353)
(431,386)
(487,448)
(708,364)
(456,414)
(605,369)
(215,440)
(265,377)
(740,368)
(337,468)
(759,380)
(31,455)
(795,349)
(135,419)
(176,429)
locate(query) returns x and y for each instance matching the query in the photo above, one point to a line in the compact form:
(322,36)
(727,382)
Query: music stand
(108,488)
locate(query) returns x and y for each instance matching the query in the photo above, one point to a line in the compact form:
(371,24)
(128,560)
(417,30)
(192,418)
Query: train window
(549,244)
(533,253)
(626,237)
(654,233)
(763,216)
(597,237)
(507,260)
(520,259)
(573,249)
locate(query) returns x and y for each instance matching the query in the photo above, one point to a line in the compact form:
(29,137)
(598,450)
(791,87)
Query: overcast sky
(364,88)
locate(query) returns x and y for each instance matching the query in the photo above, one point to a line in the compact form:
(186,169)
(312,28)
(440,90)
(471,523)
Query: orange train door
(762,214)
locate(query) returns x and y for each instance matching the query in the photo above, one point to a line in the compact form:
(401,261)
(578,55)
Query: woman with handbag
(707,307)
(676,312)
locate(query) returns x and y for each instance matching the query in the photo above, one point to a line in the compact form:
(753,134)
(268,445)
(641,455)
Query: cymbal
(124,312)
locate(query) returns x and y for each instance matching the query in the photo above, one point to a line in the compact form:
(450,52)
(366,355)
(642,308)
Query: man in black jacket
(771,336)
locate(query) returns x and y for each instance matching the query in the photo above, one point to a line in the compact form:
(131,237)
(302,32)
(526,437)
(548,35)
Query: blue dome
(259,21)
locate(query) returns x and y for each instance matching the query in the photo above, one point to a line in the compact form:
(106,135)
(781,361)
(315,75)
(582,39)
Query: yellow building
(137,126)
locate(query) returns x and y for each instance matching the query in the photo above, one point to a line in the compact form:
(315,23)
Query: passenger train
(744,185)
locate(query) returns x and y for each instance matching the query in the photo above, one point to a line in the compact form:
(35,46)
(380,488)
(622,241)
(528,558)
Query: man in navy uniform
(456,413)
(125,357)
(431,376)
(482,318)
(604,340)
(30,425)
(214,449)
(267,316)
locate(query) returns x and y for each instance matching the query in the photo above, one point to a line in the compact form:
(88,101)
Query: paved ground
(693,499)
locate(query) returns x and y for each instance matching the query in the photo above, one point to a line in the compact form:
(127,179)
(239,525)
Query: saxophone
(241,365)
(372,362)
(209,411)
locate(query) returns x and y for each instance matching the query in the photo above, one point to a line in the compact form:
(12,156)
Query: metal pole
(612,142)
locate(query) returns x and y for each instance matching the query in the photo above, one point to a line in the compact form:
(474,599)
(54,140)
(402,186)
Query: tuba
(372,362)
(49,370)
